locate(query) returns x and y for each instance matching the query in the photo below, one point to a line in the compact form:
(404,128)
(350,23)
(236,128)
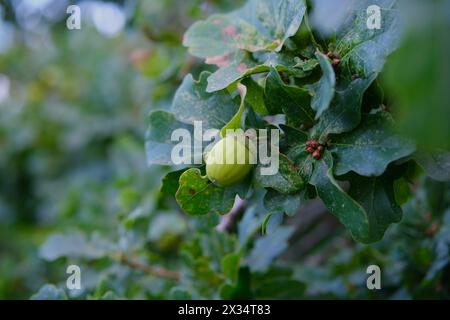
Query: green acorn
(230,160)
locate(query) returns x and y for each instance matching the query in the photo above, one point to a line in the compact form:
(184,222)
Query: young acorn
(230,160)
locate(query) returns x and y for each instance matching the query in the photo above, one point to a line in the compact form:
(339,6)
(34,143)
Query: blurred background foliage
(75,187)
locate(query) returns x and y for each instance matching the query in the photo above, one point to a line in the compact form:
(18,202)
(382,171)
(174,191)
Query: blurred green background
(75,187)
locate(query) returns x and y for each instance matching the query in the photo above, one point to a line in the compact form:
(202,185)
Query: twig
(159,272)
(227,222)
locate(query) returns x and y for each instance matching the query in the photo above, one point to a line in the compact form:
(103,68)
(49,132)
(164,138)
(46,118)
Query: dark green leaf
(199,196)
(230,266)
(277,283)
(292,100)
(371,147)
(363,51)
(351,214)
(344,114)
(278,202)
(294,137)
(369,207)
(286,180)
(170,182)
(304,161)
(376,196)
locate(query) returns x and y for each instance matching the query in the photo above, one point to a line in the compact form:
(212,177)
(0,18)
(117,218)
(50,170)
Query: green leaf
(49,292)
(402,191)
(324,89)
(284,203)
(224,40)
(230,266)
(291,100)
(286,180)
(435,163)
(199,196)
(170,182)
(236,121)
(296,146)
(74,245)
(376,196)
(241,64)
(158,144)
(178,293)
(255,96)
(369,207)
(192,103)
(363,51)
(277,283)
(371,147)
(259,25)
(287,62)
(269,247)
(345,112)
(294,137)
(303,161)
(347,210)
(240,291)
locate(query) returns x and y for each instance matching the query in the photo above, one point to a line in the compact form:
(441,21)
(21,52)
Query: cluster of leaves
(74,187)
(326,89)
(413,256)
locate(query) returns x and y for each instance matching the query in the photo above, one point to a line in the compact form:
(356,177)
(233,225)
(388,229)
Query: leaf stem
(313,40)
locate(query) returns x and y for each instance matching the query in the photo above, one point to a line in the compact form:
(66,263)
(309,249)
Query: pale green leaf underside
(435,163)
(192,103)
(158,142)
(225,40)
(324,89)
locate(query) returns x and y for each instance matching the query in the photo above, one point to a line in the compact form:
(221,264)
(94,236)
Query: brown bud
(320,148)
(314,144)
(335,61)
